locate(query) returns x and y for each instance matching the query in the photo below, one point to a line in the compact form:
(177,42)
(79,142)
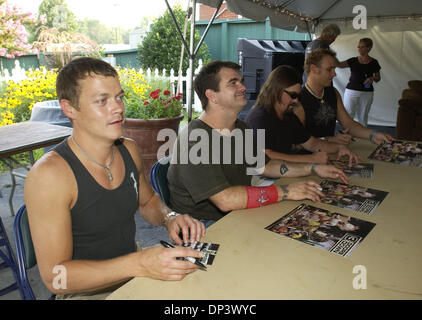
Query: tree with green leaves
(96,30)
(101,33)
(55,14)
(58,15)
(161,46)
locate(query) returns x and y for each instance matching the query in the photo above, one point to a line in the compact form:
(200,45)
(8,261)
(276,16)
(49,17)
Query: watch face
(283,169)
(170,215)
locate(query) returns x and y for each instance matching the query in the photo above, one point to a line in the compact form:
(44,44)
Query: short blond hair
(316,56)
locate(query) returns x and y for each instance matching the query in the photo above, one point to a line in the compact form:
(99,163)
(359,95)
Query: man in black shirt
(81,197)
(284,133)
(322,105)
(209,189)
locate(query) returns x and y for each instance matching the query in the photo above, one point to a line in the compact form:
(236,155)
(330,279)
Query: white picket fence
(174,80)
(18,74)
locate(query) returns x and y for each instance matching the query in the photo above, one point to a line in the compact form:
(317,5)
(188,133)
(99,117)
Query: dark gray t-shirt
(316,44)
(192,184)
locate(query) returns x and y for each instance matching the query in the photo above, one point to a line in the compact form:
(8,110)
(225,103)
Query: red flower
(178,97)
(155,94)
(166,92)
(145,103)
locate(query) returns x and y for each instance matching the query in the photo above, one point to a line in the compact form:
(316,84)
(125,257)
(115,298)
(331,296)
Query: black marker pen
(190,259)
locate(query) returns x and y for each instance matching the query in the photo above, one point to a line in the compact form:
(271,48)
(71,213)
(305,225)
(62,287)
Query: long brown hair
(279,79)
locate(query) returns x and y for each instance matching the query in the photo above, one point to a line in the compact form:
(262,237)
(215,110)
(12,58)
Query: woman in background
(359,92)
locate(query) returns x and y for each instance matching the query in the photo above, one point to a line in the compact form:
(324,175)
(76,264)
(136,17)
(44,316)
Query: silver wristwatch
(170,215)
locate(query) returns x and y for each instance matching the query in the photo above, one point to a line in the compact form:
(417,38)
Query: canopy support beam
(190,49)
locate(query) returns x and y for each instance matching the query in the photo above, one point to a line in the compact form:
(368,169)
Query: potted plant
(148,110)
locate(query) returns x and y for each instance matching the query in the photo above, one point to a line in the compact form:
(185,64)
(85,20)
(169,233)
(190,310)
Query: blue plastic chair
(158,178)
(9,261)
(24,251)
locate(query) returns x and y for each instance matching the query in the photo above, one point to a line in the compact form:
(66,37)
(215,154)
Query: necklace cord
(106,167)
(310,90)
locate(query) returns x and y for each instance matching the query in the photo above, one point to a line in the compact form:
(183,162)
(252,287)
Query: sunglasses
(293,95)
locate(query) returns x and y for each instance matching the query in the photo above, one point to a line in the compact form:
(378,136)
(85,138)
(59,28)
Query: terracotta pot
(145,132)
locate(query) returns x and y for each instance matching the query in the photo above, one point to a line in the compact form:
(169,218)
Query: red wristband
(261,196)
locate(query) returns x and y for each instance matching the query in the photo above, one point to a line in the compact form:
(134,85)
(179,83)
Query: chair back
(24,251)
(158,178)
(7,260)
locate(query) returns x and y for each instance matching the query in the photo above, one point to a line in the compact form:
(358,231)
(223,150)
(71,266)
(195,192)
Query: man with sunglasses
(323,106)
(210,188)
(285,136)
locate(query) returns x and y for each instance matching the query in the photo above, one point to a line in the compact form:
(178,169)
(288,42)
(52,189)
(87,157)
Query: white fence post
(17,74)
(172,81)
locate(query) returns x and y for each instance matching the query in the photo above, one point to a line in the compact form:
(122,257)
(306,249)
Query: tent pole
(177,28)
(309,30)
(188,13)
(189,86)
(328,9)
(208,27)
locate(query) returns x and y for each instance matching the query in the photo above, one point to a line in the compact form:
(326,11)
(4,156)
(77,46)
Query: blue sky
(123,13)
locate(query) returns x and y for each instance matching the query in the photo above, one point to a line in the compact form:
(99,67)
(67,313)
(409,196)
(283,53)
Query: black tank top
(321,114)
(103,222)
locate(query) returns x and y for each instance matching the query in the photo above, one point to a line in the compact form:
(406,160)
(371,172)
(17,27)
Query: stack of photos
(405,153)
(209,250)
(321,228)
(361,170)
(351,197)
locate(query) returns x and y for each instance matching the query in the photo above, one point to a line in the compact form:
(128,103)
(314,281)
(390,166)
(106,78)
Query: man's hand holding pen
(162,264)
(190,259)
(346,136)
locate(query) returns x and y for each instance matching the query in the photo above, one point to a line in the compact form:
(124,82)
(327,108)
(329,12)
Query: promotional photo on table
(271,169)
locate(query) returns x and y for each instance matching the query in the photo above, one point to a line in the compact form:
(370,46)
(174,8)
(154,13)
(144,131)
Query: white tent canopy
(394,26)
(296,14)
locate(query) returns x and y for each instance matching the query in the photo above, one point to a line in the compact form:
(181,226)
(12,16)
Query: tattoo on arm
(283,169)
(285,192)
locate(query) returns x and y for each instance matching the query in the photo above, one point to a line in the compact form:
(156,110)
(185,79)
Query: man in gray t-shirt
(316,44)
(206,184)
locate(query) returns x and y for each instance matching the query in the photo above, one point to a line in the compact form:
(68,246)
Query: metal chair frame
(9,261)
(24,284)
